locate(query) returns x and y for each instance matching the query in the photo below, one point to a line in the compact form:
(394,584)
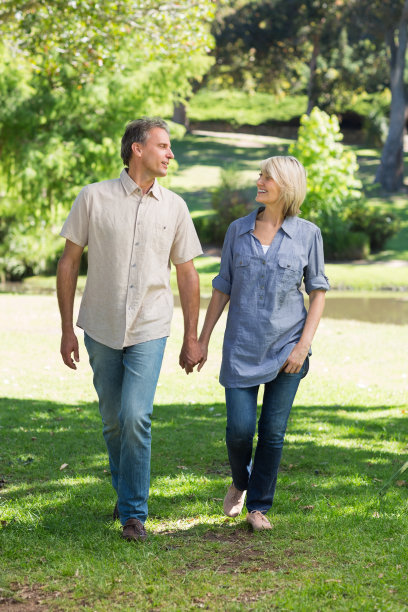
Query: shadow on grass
(189,461)
(207,151)
(56,527)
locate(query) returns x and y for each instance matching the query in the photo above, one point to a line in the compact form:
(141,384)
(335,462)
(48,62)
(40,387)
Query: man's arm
(67,276)
(189,289)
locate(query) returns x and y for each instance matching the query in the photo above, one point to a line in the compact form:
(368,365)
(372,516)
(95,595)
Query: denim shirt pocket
(241,281)
(241,261)
(288,269)
(289,276)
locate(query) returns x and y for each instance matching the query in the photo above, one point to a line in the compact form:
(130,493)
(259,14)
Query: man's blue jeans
(259,477)
(125,381)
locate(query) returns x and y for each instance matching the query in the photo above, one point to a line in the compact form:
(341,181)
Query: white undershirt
(265,248)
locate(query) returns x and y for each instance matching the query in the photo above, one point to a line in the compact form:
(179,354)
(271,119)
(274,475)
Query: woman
(268,335)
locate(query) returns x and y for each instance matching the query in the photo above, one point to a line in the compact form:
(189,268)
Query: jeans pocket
(305,367)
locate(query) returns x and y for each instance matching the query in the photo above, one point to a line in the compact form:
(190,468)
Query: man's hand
(191,354)
(69,345)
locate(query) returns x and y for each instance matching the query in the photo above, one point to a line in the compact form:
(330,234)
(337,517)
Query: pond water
(371,309)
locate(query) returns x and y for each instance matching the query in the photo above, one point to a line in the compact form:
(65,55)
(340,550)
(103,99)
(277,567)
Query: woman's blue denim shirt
(266,312)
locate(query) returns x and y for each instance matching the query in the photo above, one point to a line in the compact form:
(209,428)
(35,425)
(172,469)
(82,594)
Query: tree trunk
(180,115)
(311,88)
(390,173)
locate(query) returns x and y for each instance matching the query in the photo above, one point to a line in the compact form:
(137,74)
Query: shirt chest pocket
(162,236)
(289,271)
(241,261)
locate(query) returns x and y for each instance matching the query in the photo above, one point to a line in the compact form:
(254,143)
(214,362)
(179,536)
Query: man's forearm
(67,277)
(189,290)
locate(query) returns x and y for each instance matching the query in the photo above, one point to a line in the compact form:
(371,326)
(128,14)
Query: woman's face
(268,190)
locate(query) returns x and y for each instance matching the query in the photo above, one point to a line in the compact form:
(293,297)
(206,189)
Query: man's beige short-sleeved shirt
(131,240)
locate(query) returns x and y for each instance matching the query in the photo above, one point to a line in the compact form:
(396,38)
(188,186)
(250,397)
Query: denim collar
(248,223)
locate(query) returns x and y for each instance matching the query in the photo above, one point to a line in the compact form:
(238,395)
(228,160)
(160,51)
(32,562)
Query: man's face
(156,153)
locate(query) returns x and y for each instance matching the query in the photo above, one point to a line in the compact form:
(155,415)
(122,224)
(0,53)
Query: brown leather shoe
(115,512)
(133,529)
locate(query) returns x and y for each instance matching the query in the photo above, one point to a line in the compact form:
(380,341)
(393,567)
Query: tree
(391,170)
(62,111)
(310,46)
(86,34)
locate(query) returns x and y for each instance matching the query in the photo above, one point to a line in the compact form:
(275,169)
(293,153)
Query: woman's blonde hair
(290,175)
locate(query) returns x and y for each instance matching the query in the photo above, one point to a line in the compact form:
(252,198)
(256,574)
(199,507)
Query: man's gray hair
(138,131)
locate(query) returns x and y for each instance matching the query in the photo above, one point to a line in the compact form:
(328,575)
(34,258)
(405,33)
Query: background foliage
(71,76)
(72,73)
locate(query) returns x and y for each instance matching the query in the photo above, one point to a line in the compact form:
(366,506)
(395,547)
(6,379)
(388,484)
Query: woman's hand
(296,359)
(299,353)
(204,350)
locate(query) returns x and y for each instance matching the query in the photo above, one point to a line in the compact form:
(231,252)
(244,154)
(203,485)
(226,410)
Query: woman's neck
(272,215)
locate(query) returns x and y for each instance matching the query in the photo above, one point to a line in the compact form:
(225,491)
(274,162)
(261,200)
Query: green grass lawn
(335,544)
(239,108)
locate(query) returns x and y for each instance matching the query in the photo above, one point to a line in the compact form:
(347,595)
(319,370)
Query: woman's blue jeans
(258,478)
(125,381)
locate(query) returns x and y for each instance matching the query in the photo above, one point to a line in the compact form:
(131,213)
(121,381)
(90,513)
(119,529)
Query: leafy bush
(377,223)
(341,244)
(229,201)
(332,184)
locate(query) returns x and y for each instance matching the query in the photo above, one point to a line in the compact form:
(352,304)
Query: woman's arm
(215,308)
(299,353)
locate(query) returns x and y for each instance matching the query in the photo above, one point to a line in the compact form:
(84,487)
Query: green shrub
(376,222)
(332,186)
(341,244)
(229,201)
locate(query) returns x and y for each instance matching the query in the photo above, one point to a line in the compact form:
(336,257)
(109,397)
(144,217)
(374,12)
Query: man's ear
(137,149)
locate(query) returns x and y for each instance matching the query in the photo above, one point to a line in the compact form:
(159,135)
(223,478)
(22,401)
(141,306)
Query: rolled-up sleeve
(223,280)
(315,277)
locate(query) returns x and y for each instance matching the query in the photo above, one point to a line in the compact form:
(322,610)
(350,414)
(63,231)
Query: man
(133,228)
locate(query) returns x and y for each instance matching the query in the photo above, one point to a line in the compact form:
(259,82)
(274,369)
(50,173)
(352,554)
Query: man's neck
(144,182)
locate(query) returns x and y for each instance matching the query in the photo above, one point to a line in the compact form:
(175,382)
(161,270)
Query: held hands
(294,362)
(192,353)
(69,345)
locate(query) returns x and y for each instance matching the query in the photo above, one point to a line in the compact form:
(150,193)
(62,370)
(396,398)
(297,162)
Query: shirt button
(136,244)
(262,286)
(131,286)
(263,261)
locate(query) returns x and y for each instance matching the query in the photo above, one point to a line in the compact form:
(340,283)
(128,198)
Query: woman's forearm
(215,308)
(316,307)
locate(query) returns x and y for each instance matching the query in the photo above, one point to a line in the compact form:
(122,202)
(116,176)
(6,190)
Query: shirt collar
(289,226)
(131,187)
(248,223)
